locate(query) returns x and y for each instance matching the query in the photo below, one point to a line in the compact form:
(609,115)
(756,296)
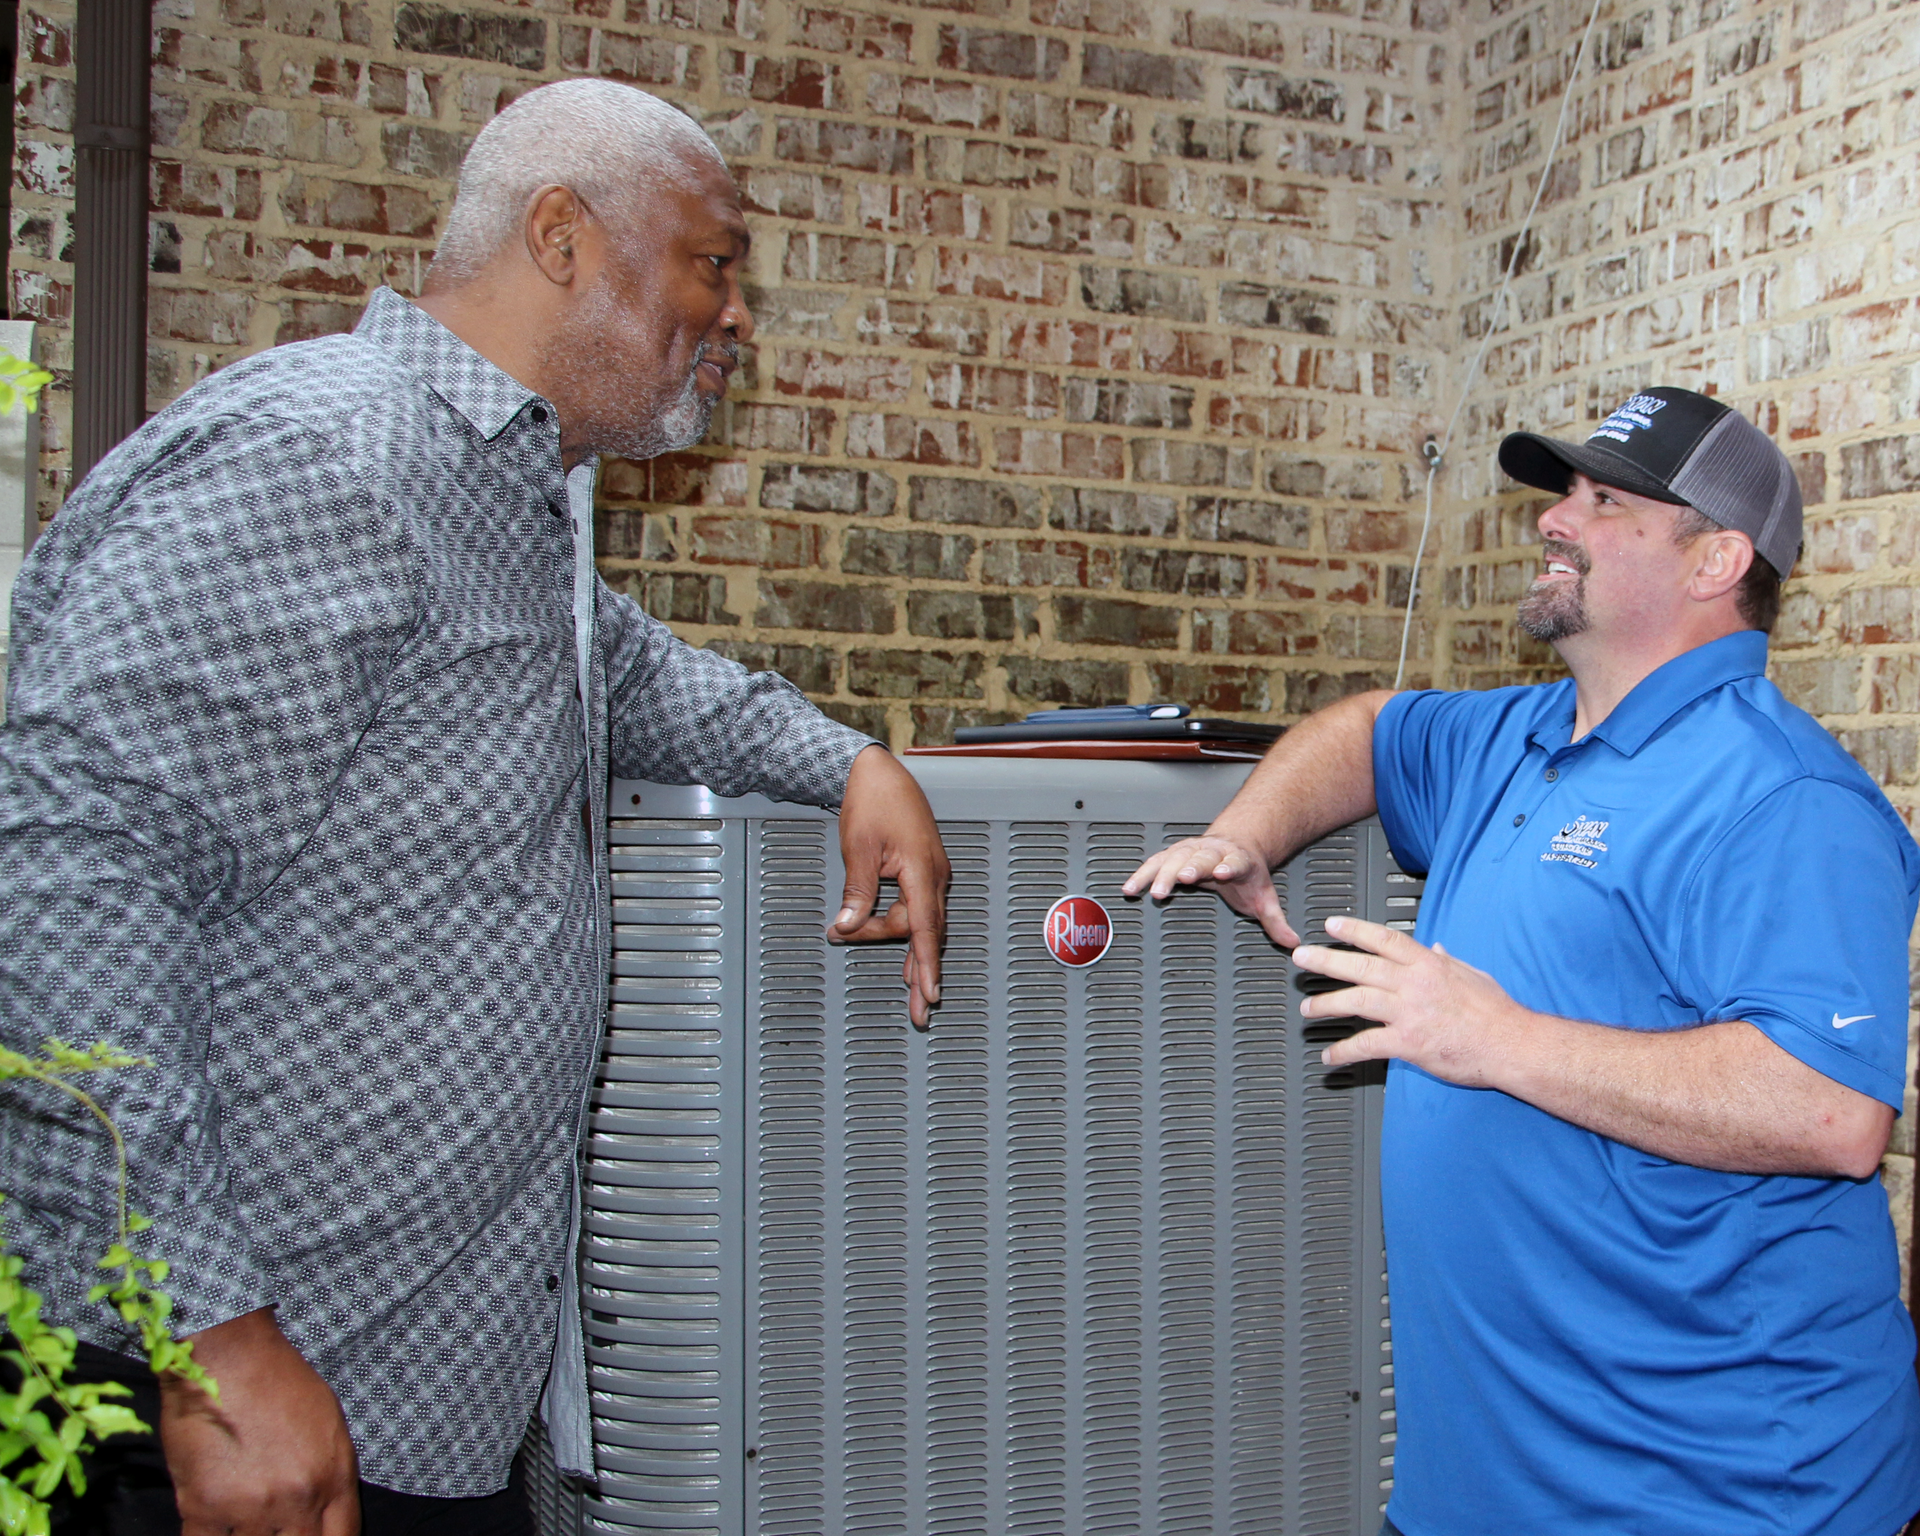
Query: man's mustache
(710,350)
(1566,554)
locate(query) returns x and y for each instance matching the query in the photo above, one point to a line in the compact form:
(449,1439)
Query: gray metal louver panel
(661,1240)
(1100,1253)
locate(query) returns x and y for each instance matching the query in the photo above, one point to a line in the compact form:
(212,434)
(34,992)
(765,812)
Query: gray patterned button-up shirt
(292,785)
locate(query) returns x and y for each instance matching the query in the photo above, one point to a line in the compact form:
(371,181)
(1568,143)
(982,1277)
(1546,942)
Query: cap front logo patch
(1578,842)
(1636,414)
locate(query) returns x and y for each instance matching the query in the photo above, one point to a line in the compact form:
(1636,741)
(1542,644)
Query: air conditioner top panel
(990,789)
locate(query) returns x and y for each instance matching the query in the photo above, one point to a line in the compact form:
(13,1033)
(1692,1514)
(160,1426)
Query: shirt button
(539,415)
(1519,819)
(1552,774)
(553,1282)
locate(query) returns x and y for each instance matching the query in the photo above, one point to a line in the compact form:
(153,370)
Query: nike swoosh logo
(1840,1023)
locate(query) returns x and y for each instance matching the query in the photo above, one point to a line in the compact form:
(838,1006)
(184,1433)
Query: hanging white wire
(1435,452)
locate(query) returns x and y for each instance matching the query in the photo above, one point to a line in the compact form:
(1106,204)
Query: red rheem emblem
(1077,930)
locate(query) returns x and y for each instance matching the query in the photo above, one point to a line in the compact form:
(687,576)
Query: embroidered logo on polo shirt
(1636,413)
(1578,842)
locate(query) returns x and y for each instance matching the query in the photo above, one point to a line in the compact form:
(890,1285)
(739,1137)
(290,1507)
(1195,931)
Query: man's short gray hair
(606,141)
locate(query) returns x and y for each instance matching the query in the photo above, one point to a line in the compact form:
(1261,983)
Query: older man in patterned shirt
(303,796)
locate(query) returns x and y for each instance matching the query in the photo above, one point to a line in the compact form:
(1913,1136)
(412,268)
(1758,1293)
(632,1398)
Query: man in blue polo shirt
(1648,1041)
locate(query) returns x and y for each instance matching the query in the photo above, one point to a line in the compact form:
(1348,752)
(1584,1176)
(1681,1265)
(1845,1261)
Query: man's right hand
(271,1456)
(1222,864)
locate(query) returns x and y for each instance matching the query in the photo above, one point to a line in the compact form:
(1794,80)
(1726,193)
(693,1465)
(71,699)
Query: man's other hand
(1221,864)
(887,831)
(271,1455)
(1443,1015)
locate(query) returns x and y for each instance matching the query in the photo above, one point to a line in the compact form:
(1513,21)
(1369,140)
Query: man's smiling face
(1608,560)
(657,332)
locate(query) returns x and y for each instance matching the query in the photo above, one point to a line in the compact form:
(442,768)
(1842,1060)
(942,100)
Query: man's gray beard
(680,425)
(1555,610)
(581,349)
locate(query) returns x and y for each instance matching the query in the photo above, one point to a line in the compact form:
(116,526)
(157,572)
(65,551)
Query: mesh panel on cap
(1741,480)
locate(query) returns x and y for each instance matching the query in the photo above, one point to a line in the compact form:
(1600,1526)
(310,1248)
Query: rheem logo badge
(1078,930)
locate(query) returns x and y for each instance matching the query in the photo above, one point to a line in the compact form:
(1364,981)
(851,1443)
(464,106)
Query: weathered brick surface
(1732,212)
(1098,339)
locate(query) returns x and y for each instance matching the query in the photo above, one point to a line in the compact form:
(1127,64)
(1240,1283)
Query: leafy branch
(20,383)
(39,1450)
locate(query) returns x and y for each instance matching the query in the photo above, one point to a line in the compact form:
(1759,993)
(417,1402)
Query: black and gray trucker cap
(1676,446)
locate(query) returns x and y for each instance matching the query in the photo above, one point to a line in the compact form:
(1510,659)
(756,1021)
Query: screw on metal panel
(636,799)
(752,1452)
(1079,805)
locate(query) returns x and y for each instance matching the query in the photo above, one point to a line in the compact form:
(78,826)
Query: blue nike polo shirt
(1589,1338)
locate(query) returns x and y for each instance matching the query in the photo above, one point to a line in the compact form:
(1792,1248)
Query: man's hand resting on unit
(271,1455)
(1224,864)
(887,832)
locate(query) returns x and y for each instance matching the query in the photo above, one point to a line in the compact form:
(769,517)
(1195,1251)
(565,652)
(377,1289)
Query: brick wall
(1099,337)
(1736,210)
(1092,333)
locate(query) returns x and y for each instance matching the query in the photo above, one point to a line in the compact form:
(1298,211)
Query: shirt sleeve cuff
(809,761)
(1829,1059)
(211,1273)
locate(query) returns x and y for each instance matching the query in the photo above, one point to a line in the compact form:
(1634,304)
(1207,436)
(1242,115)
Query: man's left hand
(1441,1014)
(887,831)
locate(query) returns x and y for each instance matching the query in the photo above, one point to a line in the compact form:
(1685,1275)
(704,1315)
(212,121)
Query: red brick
(190,314)
(956,328)
(827,258)
(911,439)
(1109,621)
(1034,563)
(1004,55)
(757,541)
(854,32)
(1111,18)
(788,82)
(783,428)
(913,211)
(632,60)
(1232,33)
(40,296)
(791,194)
(851,146)
(830,376)
(982,275)
(327,20)
(850,609)
(49,40)
(1217,690)
(210,191)
(1069,120)
(995,391)
(1078,342)
(1076,455)
(304,319)
(678,479)
(1185,354)
(354,206)
(945,103)
(1256,632)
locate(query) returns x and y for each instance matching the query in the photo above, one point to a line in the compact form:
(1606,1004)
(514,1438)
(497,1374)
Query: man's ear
(1723,559)
(555,217)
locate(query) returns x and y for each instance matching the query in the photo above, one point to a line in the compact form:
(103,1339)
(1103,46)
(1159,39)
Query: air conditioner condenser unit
(1100,1252)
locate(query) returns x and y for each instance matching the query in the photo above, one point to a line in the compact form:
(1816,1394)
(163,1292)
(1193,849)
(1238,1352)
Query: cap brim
(1549,465)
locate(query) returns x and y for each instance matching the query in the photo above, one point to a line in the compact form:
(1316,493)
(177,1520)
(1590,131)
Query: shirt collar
(1668,689)
(484,394)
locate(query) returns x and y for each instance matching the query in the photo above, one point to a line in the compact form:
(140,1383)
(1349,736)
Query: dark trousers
(130,1494)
